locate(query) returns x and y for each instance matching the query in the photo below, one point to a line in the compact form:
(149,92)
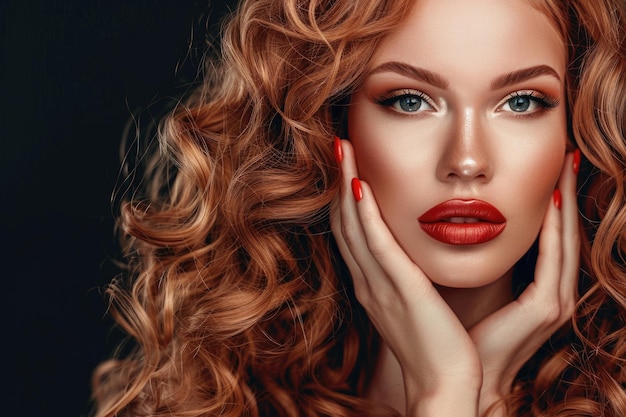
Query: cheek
(537,164)
(389,153)
(372,144)
(527,183)
(545,171)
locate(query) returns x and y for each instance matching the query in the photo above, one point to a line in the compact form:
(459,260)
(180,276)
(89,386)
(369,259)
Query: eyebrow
(523,75)
(419,74)
(436,80)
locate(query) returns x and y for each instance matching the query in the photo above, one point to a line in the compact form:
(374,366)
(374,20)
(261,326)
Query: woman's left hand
(506,339)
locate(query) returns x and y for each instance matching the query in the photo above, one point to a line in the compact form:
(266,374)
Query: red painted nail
(356,189)
(338,150)
(576,163)
(557,199)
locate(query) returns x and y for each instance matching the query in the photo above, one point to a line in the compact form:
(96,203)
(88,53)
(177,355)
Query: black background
(72,73)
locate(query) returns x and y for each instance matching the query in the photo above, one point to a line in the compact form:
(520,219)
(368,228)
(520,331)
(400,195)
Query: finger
(384,248)
(349,232)
(548,269)
(374,247)
(404,292)
(375,240)
(344,250)
(543,294)
(570,232)
(342,216)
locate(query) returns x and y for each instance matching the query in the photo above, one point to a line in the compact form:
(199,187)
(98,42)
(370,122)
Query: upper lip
(463,211)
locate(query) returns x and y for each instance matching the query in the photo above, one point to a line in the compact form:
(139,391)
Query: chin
(470,266)
(466,281)
(468,271)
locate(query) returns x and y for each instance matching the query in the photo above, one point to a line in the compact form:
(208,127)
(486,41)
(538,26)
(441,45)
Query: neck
(471,305)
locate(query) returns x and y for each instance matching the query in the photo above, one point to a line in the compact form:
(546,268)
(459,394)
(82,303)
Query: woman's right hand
(441,367)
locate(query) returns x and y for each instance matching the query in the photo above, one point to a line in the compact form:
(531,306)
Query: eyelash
(389,98)
(545,101)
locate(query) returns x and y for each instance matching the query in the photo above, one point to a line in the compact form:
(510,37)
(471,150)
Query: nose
(466,155)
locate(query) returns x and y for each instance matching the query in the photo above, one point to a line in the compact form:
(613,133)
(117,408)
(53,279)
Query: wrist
(492,394)
(455,399)
(492,401)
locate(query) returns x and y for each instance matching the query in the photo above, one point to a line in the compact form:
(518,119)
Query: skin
(454,337)
(468,144)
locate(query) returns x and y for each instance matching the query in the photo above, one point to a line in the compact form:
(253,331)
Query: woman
(457,277)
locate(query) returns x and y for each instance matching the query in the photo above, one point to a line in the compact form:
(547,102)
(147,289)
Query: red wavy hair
(236,300)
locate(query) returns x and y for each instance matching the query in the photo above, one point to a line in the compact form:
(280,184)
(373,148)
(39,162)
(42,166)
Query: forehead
(470,34)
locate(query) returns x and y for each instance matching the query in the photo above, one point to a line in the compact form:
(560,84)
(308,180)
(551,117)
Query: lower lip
(463,233)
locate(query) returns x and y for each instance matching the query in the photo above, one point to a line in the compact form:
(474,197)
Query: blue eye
(409,103)
(528,102)
(405,101)
(519,104)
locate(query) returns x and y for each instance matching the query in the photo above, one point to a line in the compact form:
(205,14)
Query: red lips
(463,222)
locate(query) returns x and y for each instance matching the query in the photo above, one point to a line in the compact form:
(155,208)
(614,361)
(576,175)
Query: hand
(508,338)
(437,356)
(434,350)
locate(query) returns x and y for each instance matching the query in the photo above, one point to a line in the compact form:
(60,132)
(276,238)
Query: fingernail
(557,198)
(576,163)
(356,189)
(338,150)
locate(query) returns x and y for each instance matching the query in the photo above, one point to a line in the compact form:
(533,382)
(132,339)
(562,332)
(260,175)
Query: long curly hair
(236,301)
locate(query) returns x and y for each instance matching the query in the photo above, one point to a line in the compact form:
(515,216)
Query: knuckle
(362,295)
(377,246)
(350,233)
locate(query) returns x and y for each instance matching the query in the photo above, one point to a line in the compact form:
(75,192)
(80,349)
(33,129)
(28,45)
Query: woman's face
(460,130)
